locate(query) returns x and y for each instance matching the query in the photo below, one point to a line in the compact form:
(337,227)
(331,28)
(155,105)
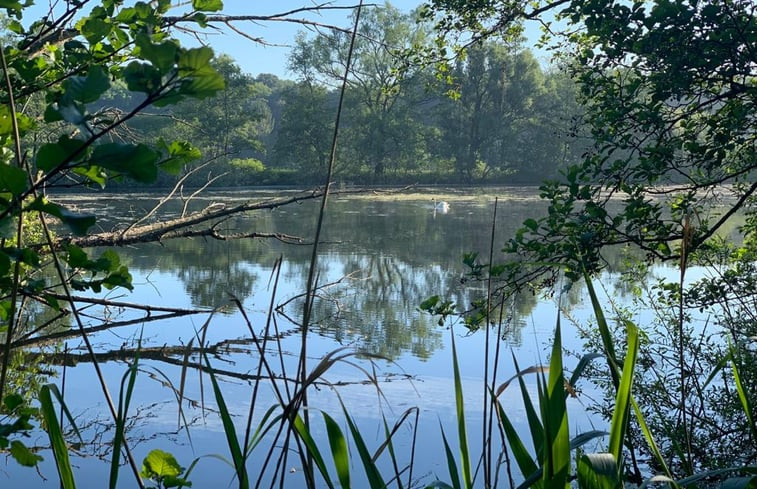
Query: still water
(381,257)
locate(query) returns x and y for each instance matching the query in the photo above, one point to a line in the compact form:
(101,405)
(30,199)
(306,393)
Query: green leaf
(94,29)
(53,155)
(23,255)
(179,154)
(13,6)
(159,464)
(199,78)
(87,89)
(23,455)
(79,224)
(207,5)
(137,161)
(12,401)
(93,173)
(52,114)
(12,179)
(7,229)
(142,77)
(76,257)
(161,55)
(23,122)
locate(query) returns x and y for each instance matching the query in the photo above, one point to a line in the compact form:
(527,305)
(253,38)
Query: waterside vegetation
(670,132)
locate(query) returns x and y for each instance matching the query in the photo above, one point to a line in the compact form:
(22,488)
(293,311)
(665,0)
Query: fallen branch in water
(202,223)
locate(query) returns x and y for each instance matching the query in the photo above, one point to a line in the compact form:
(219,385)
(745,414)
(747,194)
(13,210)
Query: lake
(381,256)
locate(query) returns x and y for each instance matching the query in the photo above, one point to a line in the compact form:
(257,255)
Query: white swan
(441,206)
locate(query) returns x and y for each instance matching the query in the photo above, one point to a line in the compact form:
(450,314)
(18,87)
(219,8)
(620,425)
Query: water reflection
(381,258)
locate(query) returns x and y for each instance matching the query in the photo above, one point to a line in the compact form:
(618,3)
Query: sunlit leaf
(207,5)
(598,471)
(95,29)
(160,464)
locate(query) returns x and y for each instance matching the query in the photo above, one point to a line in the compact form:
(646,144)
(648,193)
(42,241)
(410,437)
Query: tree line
(496,116)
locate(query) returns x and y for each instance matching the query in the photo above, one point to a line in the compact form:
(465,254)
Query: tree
(57,131)
(307,123)
(229,128)
(495,109)
(669,90)
(378,123)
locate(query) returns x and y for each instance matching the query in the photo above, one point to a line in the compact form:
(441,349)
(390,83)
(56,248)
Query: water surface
(381,257)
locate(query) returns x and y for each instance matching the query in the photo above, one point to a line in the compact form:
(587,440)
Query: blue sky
(256,58)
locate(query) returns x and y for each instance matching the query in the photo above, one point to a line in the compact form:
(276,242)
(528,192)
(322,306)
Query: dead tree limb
(201,223)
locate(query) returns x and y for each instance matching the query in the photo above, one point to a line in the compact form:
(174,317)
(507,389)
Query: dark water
(381,257)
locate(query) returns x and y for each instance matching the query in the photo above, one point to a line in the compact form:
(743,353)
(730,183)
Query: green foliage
(53,132)
(16,422)
(668,102)
(162,468)
(248,164)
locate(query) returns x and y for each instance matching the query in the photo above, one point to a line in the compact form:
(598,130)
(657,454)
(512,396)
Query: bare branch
(184,226)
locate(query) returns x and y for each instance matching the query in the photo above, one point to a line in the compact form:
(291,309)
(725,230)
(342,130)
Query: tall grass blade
(183,376)
(582,364)
(746,404)
(338,444)
(304,433)
(522,457)
(534,423)
(124,400)
(598,471)
(237,456)
(57,441)
(649,437)
(740,483)
(584,438)
(179,395)
(460,411)
(388,444)
(371,471)
(262,428)
(604,331)
(454,473)
(620,415)
(555,417)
